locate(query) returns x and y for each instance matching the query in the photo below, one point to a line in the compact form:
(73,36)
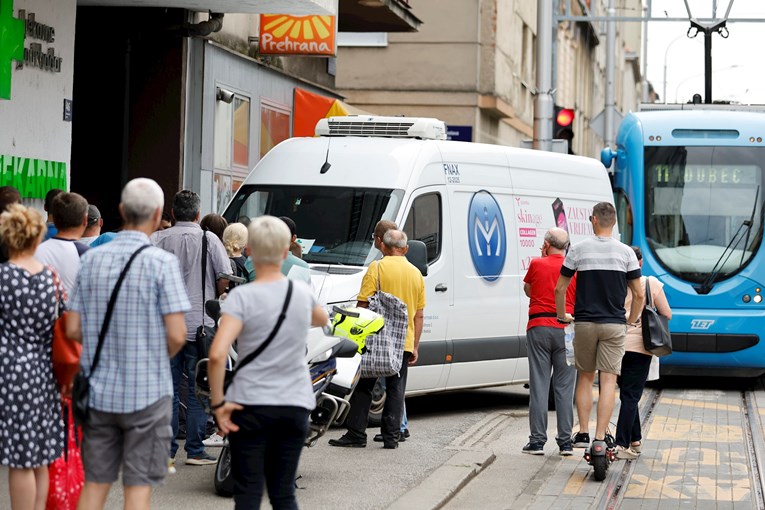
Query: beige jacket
(634,340)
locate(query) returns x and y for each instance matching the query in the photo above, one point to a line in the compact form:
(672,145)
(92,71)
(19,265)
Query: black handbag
(205,334)
(656,337)
(81,383)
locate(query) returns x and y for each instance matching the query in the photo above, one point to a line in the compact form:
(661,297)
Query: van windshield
(334,224)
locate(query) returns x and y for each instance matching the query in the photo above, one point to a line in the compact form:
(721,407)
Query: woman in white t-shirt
(635,365)
(266,407)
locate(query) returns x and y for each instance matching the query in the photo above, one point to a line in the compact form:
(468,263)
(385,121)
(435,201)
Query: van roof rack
(386,127)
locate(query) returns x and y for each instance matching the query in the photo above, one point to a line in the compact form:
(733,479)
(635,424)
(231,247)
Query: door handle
(440,287)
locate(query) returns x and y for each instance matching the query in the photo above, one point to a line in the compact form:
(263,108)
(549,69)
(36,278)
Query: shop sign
(35,56)
(32,177)
(298,35)
(11,45)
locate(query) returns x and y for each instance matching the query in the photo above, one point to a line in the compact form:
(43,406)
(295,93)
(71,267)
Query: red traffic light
(565,117)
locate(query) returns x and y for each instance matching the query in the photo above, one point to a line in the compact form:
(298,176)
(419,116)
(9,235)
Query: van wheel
(378,402)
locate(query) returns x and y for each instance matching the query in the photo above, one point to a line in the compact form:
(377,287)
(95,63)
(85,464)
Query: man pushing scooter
(605,268)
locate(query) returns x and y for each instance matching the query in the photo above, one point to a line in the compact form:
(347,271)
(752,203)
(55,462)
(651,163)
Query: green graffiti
(32,177)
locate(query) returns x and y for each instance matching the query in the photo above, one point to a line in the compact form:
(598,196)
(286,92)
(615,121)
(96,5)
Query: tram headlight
(747,298)
(757,299)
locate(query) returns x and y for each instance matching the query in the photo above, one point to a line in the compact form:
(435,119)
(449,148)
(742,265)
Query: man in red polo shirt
(546,347)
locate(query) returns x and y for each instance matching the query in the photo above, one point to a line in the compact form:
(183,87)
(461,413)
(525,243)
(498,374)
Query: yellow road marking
(675,429)
(698,404)
(704,488)
(575,482)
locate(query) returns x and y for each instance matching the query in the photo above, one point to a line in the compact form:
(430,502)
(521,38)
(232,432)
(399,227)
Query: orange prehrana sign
(281,34)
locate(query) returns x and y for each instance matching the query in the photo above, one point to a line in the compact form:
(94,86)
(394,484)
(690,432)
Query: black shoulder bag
(201,381)
(656,337)
(81,384)
(205,334)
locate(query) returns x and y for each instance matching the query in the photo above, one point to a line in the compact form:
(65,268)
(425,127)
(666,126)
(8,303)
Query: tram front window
(704,208)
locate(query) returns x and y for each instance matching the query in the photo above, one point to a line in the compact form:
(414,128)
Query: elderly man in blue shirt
(131,388)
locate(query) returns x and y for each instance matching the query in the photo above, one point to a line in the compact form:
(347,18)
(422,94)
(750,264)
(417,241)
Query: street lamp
(677,89)
(666,52)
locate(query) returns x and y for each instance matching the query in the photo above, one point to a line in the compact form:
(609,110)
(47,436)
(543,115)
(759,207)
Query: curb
(445,482)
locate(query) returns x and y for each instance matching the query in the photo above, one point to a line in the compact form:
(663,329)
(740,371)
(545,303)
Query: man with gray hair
(395,275)
(131,388)
(546,347)
(185,240)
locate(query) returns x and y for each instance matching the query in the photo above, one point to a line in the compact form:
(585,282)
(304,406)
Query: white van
(481,210)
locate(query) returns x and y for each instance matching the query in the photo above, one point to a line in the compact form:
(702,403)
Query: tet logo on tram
(486,236)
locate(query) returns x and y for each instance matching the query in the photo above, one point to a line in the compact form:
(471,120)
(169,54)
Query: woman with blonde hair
(31,428)
(235,242)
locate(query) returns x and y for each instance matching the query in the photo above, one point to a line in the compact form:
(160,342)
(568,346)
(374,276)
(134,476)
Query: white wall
(31,122)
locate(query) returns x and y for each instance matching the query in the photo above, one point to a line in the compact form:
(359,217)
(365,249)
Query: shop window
(274,126)
(231,150)
(424,223)
(241,145)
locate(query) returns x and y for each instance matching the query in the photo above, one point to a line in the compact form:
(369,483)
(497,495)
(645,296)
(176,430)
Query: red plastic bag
(66,473)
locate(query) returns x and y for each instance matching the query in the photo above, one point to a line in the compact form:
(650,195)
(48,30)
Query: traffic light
(563,124)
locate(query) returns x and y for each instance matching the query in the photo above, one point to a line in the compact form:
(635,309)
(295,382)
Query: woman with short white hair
(266,406)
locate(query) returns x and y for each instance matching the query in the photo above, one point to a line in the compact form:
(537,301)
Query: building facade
(96,92)
(473,65)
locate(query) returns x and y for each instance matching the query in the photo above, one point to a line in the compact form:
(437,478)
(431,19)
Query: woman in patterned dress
(31,426)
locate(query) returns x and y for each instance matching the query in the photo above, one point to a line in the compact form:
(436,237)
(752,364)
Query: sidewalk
(694,456)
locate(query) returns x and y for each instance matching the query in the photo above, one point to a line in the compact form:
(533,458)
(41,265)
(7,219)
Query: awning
(309,108)
(377,16)
(295,7)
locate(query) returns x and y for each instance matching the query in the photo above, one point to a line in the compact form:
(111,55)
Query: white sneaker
(214,441)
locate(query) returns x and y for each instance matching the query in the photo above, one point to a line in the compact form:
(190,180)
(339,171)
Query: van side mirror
(418,256)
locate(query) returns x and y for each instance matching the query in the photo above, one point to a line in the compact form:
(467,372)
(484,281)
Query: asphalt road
(370,478)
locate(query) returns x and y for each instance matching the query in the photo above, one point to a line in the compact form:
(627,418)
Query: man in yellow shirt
(400,278)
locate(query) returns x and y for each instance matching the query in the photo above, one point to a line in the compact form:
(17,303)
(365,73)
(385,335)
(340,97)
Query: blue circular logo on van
(486,236)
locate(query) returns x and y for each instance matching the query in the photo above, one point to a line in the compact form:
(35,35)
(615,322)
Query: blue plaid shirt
(134,369)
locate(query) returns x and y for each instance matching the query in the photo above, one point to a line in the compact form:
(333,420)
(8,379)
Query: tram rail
(619,479)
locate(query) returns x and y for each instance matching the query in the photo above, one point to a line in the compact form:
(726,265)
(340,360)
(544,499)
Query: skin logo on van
(487,237)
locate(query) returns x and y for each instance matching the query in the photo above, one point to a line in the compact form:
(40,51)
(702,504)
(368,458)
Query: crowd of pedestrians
(598,282)
(135,300)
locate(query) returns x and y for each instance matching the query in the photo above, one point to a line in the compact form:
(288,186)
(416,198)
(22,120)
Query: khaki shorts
(599,347)
(138,442)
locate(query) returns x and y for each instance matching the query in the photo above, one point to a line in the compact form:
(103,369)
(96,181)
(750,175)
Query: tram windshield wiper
(707,285)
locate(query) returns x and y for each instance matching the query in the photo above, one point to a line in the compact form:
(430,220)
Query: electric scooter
(600,455)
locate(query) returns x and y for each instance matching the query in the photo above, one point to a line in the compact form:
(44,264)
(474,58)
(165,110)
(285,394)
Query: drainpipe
(205,28)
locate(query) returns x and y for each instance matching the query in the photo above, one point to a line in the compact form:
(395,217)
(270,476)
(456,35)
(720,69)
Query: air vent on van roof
(388,127)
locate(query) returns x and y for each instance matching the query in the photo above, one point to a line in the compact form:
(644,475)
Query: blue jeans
(196,418)
(267,449)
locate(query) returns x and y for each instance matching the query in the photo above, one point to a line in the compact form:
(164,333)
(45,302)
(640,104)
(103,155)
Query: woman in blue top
(266,407)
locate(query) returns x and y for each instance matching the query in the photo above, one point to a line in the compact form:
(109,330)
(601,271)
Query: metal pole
(644,59)
(554,47)
(543,104)
(708,66)
(610,51)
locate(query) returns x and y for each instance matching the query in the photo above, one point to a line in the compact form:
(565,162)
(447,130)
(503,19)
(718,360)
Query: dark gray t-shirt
(279,375)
